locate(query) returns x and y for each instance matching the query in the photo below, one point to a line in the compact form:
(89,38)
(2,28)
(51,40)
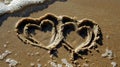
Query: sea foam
(16,5)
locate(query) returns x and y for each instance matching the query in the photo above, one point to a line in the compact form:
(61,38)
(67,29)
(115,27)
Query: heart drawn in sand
(84,28)
(59,27)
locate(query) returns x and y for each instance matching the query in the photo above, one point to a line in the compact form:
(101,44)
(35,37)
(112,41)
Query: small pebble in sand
(45,65)
(6,53)
(59,65)
(7,42)
(28,53)
(38,60)
(37,53)
(97,50)
(92,63)
(76,62)
(12,62)
(85,65)
(32,64)
(31,54)
(53,64)
(86,60)
(107,36)
(79,65)
(39,65)
(15,54)
(48,52)
(114,64)
(52,57)
(66,63)
(108,54)
(8,31)
(5,45)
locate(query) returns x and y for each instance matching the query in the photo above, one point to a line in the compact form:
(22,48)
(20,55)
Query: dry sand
(105,12)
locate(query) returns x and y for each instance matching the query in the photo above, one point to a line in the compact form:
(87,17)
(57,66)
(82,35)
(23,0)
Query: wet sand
(105,12)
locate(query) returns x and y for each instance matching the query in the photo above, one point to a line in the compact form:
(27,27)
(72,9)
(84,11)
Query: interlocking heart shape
(59,27)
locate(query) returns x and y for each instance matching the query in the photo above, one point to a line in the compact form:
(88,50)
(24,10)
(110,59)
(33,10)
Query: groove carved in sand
(59,25)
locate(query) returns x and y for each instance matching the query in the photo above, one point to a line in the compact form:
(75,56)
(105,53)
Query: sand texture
(67,33)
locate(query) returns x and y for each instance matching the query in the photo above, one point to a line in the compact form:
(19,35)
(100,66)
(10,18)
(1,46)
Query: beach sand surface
(105,13)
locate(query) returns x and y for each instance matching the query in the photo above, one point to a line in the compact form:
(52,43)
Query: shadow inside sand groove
(25,12)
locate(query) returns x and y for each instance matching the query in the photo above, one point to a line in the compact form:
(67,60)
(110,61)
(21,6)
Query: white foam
(3,8)
(15,5)
(7,1)
(6,53)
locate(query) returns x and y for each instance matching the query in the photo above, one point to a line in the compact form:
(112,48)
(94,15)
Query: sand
(104,12)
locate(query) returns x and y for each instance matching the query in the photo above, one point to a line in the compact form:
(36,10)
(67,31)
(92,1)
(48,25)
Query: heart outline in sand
(93,35)
(59,23)
(24,24)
